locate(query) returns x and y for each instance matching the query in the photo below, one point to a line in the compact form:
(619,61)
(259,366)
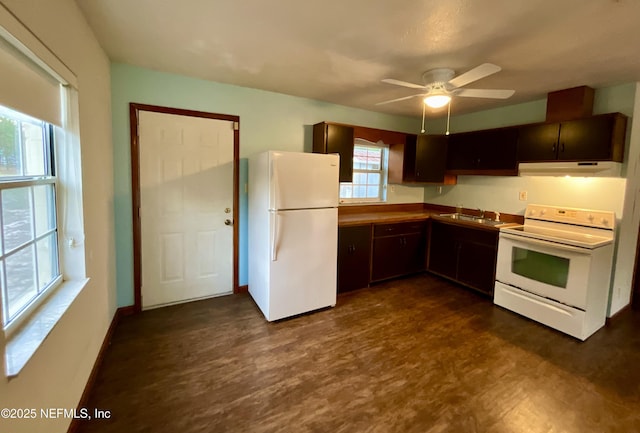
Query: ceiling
(338,51)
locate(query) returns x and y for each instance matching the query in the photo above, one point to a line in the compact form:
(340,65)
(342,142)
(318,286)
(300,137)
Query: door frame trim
(134,110)
(635,281)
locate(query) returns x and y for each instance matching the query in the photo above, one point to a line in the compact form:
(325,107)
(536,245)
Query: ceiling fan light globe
(437,101)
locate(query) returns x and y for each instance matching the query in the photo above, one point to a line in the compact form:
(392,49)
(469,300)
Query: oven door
(556,271)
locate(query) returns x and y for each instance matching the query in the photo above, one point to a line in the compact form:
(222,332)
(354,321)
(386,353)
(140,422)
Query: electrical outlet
(439,190)
(522,196)
(392,188)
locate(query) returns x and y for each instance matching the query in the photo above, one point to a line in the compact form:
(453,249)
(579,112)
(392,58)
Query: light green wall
(267,121)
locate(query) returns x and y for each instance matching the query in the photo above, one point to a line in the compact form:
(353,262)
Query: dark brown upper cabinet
(335,138)
(421,159)
(596,138)
(431,158)
(486,152)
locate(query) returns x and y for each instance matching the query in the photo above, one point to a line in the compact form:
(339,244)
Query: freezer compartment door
(304,258)
(303,180)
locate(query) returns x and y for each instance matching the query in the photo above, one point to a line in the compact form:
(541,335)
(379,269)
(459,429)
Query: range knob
(590,218)
(604,222)
(543,211)
(532,212)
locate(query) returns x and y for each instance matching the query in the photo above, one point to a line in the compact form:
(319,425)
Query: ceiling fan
(440,85)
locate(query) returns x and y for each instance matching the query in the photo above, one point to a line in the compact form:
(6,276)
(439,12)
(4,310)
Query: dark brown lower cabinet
(354,257)
(398,249)
(464,254)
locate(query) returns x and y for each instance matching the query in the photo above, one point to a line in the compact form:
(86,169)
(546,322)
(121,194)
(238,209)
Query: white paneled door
(186,195)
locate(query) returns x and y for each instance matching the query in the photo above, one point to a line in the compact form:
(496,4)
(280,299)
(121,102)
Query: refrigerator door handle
(275,184)
(274,236)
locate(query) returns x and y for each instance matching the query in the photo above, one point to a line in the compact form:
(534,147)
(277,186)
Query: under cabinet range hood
(571,168)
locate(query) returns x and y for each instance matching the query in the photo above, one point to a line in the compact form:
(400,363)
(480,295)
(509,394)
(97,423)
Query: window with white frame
(41,224)
(369,182)
(42,256)
(29,264)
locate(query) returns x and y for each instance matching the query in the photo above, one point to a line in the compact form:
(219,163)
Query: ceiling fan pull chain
(448,117)
(422,131)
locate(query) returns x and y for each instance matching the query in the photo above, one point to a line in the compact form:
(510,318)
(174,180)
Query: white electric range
(556,268)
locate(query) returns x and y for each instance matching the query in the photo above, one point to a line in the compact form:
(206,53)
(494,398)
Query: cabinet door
(398,249)
(477,265)
(586,139)
(538,142)
(496,149)
(354,255)
(443,249)
(413,253)
(331,138)
(409,159)
(431,158)
(461,153)
(387,259)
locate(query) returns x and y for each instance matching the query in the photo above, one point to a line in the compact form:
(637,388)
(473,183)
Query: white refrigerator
(293,232)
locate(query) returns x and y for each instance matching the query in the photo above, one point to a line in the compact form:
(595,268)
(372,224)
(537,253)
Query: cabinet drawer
(380,230)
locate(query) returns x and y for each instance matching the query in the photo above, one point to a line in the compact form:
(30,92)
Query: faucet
(481,212)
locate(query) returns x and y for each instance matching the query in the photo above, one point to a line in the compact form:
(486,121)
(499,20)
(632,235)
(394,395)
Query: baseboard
(243,289)
(84,399)
(125,311)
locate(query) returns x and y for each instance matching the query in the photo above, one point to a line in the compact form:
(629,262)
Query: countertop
(377,217)
(382,217)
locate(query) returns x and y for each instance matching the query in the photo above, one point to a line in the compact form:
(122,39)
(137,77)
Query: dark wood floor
(414,355)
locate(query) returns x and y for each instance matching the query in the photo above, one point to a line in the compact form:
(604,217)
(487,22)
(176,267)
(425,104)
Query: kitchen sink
(472,218)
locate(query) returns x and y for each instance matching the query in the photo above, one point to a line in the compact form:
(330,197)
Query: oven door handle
(548,244)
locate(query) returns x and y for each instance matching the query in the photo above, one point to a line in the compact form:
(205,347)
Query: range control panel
(581,217)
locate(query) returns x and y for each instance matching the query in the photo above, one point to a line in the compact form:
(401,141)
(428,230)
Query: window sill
(24,343)
(360,202)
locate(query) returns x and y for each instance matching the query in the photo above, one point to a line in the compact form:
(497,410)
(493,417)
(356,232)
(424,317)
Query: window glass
(22,145)
(44,208)
(47,255)
(28,240)
(21,279)
(17,217)
(369,175)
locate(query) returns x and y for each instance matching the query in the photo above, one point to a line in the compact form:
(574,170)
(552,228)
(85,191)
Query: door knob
(228,222)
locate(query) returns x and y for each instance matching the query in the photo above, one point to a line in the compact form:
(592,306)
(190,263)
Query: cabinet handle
(553,148)
(562,149)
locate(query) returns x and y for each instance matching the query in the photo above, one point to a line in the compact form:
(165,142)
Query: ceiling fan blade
(399,99)
(484,93)
(475,74)
(403,83)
